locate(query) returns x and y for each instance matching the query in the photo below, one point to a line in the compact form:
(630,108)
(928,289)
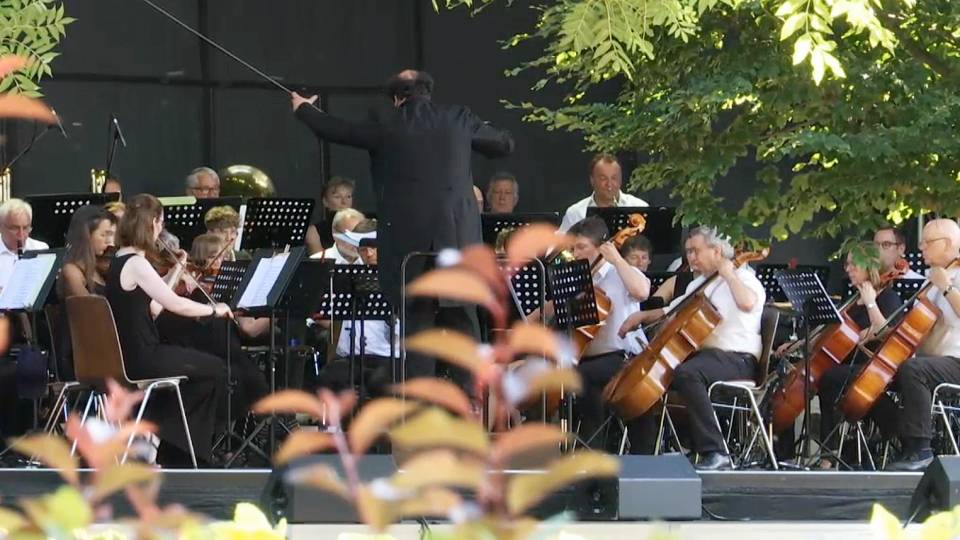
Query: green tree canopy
(848,108)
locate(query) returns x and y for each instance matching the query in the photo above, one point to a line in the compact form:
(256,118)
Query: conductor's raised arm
(488,140)
(336,130)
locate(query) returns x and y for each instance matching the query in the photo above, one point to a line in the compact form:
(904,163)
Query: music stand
(309,286)
(906,288)
(274,223)
(186,221)
(528,289)
(228,280)
(52,213)
(493,224)
(809,298)
(767,275)
(259,294)
(31,279)
(664,233)
(915,260)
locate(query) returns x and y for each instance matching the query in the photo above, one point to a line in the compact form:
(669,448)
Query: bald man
(938,359)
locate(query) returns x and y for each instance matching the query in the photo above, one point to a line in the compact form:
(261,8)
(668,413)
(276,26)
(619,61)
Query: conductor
(420,154)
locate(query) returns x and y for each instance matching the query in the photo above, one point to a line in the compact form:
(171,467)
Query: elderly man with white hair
(938,358)
(16,223)
(203,183)
(729,353)
(342,252)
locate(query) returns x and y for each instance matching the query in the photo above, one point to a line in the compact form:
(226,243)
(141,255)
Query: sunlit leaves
(376,418)
(31,29)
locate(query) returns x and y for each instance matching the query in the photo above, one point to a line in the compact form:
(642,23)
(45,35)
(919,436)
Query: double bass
(646,377)
(900,344)
(832,345)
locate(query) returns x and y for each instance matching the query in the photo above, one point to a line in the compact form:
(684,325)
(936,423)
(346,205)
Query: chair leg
(140,411)
(862,439)
(83,419)
(946,423)
(55,410)
(673,431)
(767,441)
(716,419)
(186,426)
(663,417)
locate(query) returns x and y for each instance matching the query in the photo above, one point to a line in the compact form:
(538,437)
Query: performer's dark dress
(146,358)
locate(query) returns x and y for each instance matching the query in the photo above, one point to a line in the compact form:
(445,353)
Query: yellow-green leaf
(52,452)
(439,468)
(118,477)
(792,24)
(435,428)
(374,419)
(526,490)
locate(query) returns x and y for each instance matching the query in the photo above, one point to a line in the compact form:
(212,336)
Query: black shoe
(714,461)
(911,463)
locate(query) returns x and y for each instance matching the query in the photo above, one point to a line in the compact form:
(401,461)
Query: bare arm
(74,282)
(138,273)
(743,296)
(313,240)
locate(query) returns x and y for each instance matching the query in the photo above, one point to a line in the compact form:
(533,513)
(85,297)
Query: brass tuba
(245,181)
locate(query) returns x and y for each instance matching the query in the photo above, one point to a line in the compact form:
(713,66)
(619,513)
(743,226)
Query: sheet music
(25,281)
(262,282)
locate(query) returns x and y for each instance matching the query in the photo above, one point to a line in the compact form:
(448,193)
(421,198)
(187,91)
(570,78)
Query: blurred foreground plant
(442,448)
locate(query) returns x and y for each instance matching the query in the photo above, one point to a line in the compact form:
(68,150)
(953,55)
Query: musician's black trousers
(692,380)
(833,385)
(595,373)
(916,381)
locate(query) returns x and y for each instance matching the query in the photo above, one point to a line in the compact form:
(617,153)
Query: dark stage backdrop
(182,104)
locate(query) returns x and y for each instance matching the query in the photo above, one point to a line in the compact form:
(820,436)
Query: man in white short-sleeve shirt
(626,287)
(606,178)
(729,353)
(938,358)
(16,222)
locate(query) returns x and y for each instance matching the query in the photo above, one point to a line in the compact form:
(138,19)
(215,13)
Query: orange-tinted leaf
(534,339)
(529,437)
(433,502)
(320,476)
(437,391)
(439,468)
(436,428)
(10,520)
(19,106)
(52,452)
(452,347)
(453,284)
(117,477)
(302,443)
(120,402)
(374,419)
(10,63)
(483,261)
(290,402)
(554,380)
(534,240)
(375,512)
(526,490)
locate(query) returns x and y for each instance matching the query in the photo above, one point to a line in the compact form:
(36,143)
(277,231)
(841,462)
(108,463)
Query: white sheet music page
(26,280)
(262,282)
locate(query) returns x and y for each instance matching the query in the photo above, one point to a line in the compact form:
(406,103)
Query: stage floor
(792,496)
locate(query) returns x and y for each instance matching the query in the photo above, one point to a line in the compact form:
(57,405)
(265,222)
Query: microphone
(19,249)
(117,132)
(59,124)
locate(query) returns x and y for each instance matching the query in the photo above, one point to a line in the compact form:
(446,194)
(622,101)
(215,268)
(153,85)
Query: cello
(900,344)
(832,345)
(644,380)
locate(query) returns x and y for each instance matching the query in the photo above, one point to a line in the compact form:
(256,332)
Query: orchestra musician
(606,178)
(638,252)
(137,295)
(203,183)
(16,219)
(938,358)
(224,222)
(337,195)
(729,353)
(91,232)
(869,313)
(893,247)
(341,251)
(626,287)
(503,193)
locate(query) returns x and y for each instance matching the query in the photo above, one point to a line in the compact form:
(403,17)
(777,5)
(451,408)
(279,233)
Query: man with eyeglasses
(203,183)
(893,246)
(938,358)
(16,219)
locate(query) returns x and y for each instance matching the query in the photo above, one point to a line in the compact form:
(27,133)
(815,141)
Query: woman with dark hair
(137,296)
(91,232)
(337,195)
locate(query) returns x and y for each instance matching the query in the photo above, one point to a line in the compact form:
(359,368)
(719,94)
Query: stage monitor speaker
(658,487)
(938,489)
(304,504)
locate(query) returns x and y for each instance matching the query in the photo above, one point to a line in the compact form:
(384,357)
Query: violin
(104,259)
(584,335)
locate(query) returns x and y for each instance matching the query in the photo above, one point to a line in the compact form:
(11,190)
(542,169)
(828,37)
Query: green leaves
(31,28)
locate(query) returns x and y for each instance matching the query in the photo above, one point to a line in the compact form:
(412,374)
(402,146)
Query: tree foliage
(846,108)
(31,29)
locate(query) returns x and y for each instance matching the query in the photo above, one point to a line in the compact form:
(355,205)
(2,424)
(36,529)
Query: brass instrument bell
(245,181)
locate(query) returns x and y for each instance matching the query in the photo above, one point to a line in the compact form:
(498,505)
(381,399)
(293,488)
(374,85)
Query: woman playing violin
(626,286)
(137,295)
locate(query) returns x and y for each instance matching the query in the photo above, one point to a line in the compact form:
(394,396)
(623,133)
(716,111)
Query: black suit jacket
(420,163)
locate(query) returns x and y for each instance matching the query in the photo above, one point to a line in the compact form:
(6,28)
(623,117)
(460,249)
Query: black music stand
(259,294)
(809,298)
(493,224)
(228,280)
(915,260)
(767,275)
(528,289)
(275,223)
(185,221)
(575,305)
(52,213)
(664,233)
(906,288)
(355,296)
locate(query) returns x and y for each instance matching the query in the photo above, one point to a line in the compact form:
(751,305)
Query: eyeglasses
(925,242)
(887,244)
(17,228)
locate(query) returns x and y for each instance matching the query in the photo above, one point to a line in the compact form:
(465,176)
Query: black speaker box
(658,487)
(939,488)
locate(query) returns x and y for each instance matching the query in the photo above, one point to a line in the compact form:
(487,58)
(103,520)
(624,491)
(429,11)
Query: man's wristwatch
(871,305)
